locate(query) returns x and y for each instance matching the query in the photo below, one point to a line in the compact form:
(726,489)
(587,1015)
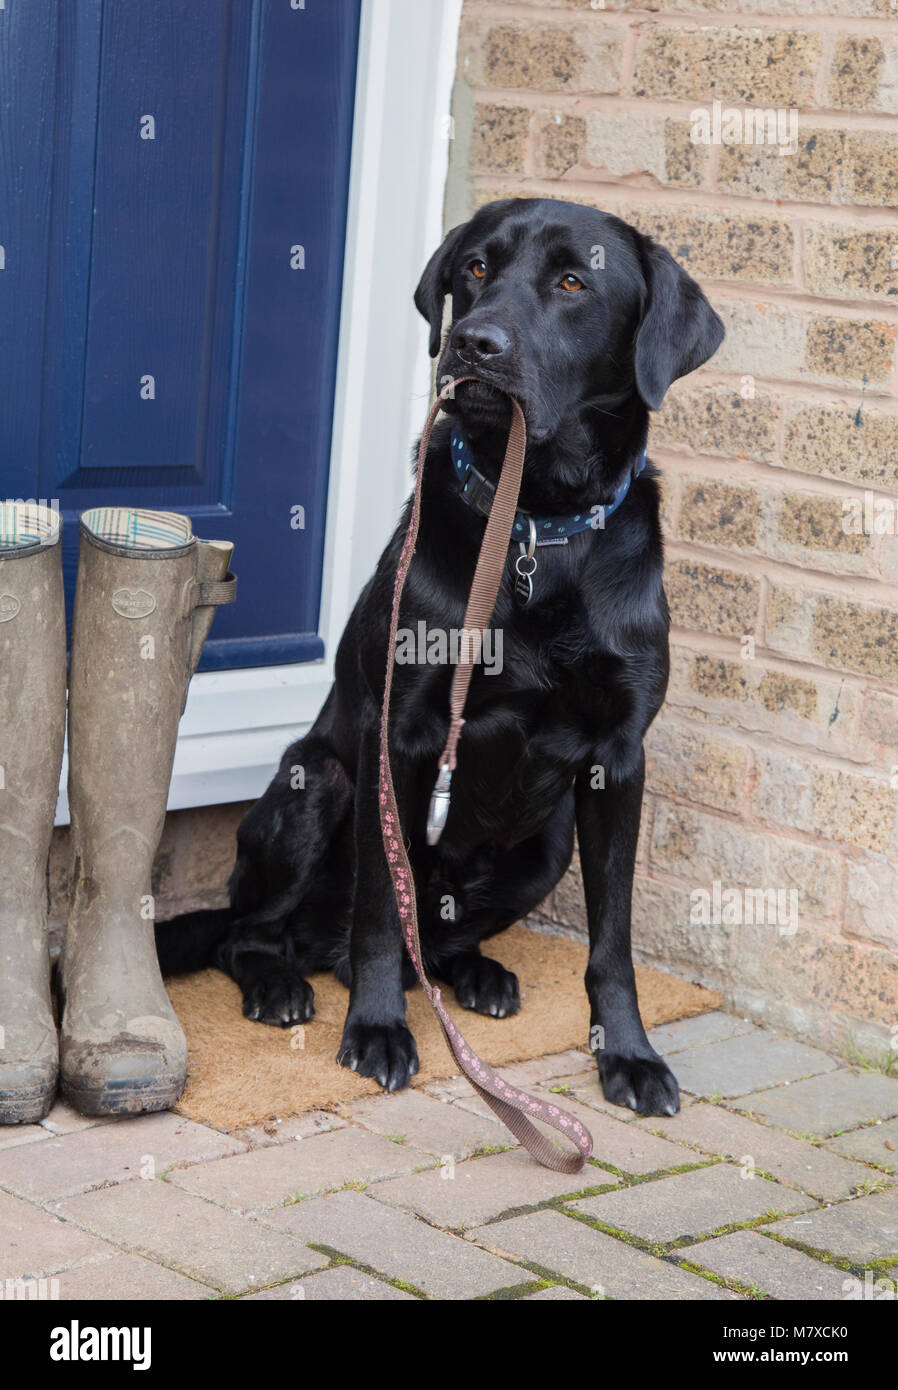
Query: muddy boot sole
(123,1097)
(26,1103)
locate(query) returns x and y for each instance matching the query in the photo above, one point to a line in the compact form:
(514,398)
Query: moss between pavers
(514,1292)
(549,1277)
(725,1281)
(729,1229)
(663,1251)
(722,1158)
(337,1257)
(824,1257)
(660,1252)
(667,1249)
(556,1203)
(350,1185)
(637,1179)
(817,1141)
(869,1185)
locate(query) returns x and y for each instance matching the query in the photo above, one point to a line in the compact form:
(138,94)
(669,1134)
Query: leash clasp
(438,810)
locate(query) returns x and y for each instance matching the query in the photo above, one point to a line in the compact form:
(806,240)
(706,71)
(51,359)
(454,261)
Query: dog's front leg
(376,1040)
(607,830)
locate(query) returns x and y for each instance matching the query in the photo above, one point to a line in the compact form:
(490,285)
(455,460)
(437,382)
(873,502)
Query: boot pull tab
(212,585)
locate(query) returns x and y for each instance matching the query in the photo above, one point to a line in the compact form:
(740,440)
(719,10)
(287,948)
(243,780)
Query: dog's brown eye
(571,283)
(477,269)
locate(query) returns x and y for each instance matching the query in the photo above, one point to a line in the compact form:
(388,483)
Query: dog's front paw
(281,999)
(485,986)
(645,1084)
(385,1051)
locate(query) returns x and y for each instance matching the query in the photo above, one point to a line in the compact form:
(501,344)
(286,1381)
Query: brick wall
(775,761)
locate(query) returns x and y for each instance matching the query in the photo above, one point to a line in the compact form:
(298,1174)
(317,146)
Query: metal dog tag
(525,568)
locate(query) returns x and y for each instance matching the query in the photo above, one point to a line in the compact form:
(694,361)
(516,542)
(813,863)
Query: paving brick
(469,1100)
(768,1265)
(607,1267)
(558,1293)
(863,1229)
(718,1131)
(582,1096)
(65,1119)
(689,1204)
(270,1177)
(343,1283)
(445,1131)
(694,1032)
(535,1072)
(568,1091)
(738,1065)
(278,1131)
(824,1105)
(631,1149)
(398,1245)
(144,1146)
(128,1277)
(467,1194)
(540,1070)
(450,1088)
(587,1090)
(35,1243)
(870,1145)
(12,1136)
(157,1219)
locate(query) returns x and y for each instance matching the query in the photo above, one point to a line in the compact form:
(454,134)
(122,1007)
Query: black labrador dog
(586,322)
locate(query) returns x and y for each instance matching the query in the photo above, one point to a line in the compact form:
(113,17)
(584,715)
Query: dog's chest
(520,751)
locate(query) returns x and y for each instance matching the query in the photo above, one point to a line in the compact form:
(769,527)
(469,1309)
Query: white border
(238,723)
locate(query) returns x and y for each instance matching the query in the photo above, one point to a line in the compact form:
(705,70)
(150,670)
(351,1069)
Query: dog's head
(560,306)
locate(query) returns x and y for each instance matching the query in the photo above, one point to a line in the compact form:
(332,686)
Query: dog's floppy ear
(435,284)
(679,329)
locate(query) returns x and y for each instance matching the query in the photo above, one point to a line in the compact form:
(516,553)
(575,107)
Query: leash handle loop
(516,1108)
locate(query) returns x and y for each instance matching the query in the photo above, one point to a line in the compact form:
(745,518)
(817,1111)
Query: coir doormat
(243,1073)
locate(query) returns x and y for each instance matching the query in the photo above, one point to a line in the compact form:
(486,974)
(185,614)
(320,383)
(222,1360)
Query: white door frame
(238,723)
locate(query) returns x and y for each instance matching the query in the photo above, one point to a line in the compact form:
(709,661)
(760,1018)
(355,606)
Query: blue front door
(173,191)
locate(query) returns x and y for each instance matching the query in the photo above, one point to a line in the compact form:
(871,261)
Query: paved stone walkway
(774,1181)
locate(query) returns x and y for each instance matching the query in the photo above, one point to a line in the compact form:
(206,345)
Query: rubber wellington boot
(32,728)
(144,601)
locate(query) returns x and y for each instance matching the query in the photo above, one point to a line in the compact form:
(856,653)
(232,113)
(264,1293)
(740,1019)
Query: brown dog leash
(515,1108)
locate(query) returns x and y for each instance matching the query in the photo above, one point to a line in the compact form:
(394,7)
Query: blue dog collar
(478,492)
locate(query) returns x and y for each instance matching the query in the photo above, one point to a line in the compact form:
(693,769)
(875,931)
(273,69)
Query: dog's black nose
(479,342)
